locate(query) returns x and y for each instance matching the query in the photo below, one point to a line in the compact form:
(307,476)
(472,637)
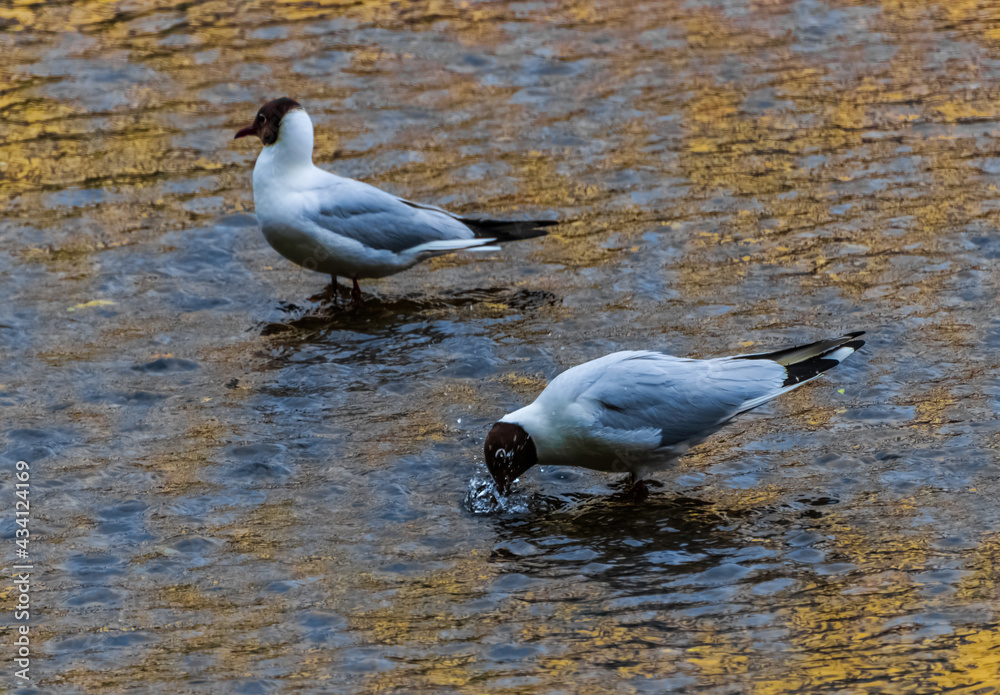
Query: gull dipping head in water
(636,412)
(344,227)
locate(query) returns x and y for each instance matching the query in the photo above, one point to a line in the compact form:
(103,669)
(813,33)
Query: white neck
(529,418)
(295,141)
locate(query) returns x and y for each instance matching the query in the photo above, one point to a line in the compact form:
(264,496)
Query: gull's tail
(508,230)
(805,362)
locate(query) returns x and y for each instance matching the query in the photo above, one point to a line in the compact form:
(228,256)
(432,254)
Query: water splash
(484,498)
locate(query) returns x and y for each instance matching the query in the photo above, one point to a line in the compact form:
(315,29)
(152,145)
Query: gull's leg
(334,289)
(329,293)
(356,292)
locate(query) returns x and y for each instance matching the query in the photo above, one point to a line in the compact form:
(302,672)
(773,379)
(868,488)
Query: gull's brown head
(268,120)
(509,453)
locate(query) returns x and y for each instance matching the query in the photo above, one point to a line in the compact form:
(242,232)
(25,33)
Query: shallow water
(236,490)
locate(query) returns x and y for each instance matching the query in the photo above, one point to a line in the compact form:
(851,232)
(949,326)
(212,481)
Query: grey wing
(380,220)
(679,399)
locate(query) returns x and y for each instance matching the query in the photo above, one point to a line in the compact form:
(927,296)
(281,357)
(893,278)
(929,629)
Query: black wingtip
(804,371)
(814,366)
(508,230)
(854,344)
(804,362)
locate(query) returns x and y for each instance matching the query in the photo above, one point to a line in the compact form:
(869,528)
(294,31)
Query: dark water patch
(257,687)
(90,568)
(256,452)
(36,444)
(190,303)
(166,365)
(261,471)
(124,518)
(126,639)
(140,399)
(94,596)
(260,462)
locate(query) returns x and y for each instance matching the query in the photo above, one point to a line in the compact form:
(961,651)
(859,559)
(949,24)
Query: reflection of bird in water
(340,226)
(635,549)
(635,412)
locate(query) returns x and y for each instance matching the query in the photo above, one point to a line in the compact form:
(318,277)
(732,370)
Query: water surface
(239,491)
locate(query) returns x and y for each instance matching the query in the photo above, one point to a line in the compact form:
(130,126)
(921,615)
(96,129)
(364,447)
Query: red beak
(249,130)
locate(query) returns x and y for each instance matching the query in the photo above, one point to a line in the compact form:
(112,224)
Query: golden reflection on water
(846,172)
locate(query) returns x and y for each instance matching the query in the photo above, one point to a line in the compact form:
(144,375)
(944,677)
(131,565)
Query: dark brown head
(268,120)
(509,453)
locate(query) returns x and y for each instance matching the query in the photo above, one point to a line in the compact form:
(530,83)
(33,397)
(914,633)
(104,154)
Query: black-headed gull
(635,412)
(344,227)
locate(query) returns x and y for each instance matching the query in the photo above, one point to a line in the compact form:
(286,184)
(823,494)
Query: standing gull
(340,226)
(636,412)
